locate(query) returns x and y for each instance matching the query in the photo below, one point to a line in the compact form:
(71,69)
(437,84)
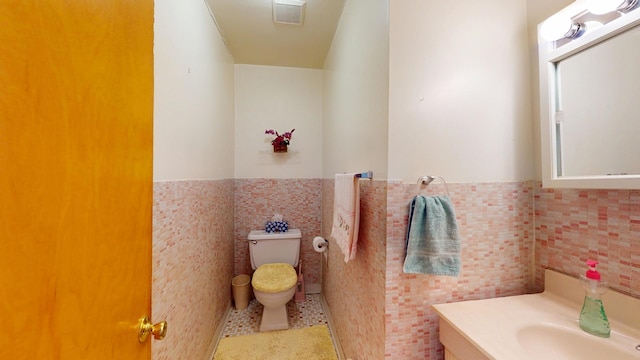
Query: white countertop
(493,325)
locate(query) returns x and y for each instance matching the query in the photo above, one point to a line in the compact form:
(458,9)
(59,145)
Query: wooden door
(76,103)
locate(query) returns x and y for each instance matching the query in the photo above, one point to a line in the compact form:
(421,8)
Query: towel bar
(365,175)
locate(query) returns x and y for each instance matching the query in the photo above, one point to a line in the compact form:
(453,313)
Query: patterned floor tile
(301,314)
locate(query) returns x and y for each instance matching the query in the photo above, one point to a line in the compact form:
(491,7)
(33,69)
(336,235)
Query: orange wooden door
(76,103)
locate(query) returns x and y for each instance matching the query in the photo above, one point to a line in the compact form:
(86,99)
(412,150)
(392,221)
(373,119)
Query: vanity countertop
(525,326)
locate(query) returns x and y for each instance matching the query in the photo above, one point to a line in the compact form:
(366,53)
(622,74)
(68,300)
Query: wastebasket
(241,291)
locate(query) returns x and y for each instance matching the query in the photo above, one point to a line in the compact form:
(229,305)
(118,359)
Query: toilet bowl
(273,257)
(273,286)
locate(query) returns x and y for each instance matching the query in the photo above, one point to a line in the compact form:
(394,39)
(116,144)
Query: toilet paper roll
(319,244)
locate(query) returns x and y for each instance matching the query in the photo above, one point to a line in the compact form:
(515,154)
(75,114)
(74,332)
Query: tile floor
(301,314)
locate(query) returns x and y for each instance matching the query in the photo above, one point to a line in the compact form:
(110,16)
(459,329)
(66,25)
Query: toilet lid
(273,278)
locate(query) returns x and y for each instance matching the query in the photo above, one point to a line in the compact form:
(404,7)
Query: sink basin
(539,326)
(556,342)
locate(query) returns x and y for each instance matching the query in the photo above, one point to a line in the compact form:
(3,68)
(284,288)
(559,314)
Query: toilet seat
(274,278)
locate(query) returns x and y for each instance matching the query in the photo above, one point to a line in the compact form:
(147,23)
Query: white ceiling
(253,38)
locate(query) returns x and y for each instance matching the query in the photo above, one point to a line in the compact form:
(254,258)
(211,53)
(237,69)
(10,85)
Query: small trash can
(241,288)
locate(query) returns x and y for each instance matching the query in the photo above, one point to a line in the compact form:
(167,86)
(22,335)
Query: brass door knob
(158,330)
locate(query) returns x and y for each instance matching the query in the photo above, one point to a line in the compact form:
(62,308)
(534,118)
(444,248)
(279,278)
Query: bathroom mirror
(590,105)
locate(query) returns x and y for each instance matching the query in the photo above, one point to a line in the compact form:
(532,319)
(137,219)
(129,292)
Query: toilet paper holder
(320,244)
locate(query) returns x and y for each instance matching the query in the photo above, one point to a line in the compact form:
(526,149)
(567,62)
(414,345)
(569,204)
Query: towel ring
(426,180)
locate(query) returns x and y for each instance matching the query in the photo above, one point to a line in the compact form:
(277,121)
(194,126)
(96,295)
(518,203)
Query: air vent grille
(289,11)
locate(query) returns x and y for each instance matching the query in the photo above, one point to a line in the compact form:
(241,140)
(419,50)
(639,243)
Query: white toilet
(273,257)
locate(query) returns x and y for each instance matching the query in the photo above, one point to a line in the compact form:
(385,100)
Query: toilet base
(274,319)
(274,314)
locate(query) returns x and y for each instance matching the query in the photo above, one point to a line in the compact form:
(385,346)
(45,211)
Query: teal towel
(432,243)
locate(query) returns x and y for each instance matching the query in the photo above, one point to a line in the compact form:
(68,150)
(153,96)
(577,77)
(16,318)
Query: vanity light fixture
(561,27)
(592,25)
(599,7)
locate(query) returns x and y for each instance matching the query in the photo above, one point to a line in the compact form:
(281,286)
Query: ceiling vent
(288,11)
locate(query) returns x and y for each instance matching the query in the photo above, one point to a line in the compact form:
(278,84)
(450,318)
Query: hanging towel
(432,244)
(346,214)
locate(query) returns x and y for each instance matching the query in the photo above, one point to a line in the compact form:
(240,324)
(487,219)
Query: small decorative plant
(283,139)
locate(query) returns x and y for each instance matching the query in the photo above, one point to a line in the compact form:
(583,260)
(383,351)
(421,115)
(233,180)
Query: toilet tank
(277,247)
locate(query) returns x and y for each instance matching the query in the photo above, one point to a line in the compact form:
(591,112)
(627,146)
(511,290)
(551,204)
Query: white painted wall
(278,98)
(194,99)
(459,103)
(453,103)
(356,97)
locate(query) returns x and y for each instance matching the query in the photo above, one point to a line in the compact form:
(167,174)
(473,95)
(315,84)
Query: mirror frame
(549,53)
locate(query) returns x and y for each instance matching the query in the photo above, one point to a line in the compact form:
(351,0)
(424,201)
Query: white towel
(346,214)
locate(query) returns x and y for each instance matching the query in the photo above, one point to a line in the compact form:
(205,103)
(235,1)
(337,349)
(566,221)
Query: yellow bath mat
(312,343)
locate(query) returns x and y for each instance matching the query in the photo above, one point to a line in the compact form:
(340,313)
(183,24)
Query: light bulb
(555,27)
(599,7)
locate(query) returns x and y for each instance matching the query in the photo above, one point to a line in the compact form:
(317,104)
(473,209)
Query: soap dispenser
(592,317)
